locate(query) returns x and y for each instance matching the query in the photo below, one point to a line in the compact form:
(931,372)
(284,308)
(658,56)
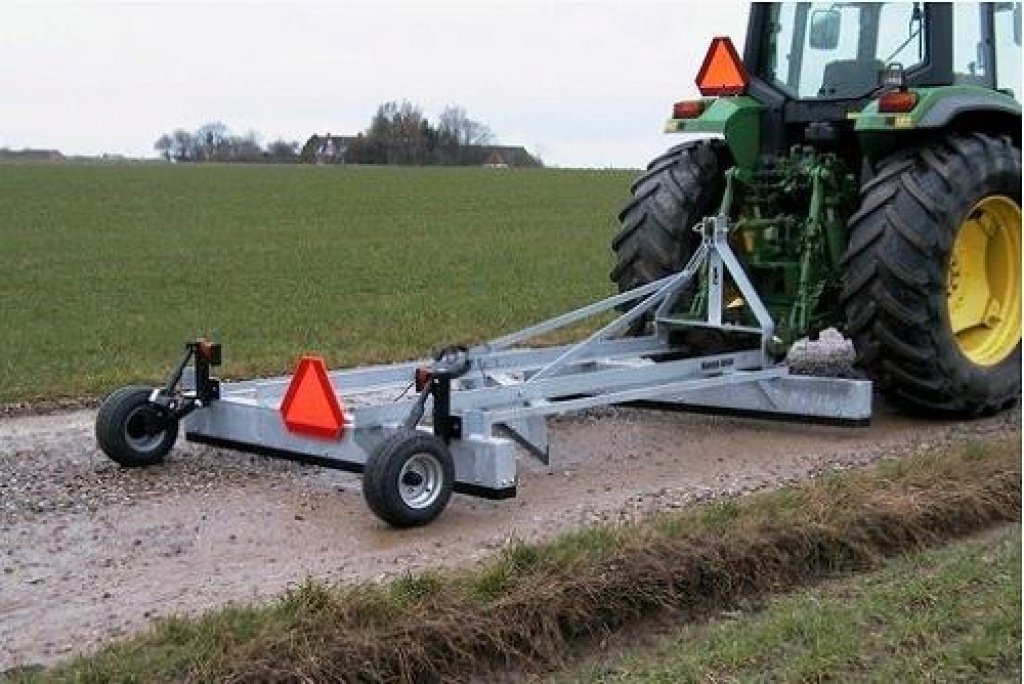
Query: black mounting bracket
(436,381)
(177,405)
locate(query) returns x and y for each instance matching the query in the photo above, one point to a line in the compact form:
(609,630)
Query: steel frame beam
(508,391)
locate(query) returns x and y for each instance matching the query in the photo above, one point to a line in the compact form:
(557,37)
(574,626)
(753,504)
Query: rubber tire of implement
(382,471)
(895,276)
(680,187)
(112,428)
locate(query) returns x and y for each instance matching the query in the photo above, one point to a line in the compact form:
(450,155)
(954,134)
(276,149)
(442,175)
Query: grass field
(948,614)
(105,271)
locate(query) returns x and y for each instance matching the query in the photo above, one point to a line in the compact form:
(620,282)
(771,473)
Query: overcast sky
(582,83)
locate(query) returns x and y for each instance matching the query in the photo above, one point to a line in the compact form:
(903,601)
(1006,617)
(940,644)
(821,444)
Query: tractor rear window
(836,50)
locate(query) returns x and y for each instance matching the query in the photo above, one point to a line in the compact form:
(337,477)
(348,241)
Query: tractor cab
(817,69)
(840,51)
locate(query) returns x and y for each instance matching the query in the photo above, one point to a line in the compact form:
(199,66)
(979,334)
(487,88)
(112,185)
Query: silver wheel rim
(135,432)
(419,481)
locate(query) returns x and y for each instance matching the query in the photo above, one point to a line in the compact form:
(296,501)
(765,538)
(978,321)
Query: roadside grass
(105,271)
(947,614)
(535,604)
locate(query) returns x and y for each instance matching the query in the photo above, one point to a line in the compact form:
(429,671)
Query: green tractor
(868,163)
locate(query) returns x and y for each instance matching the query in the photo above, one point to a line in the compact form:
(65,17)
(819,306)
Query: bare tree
(457,126)
(215,142)
(457,133)
(183,145)
(212,139)
(282,151)
(244,148)
(164,144)
(400,134)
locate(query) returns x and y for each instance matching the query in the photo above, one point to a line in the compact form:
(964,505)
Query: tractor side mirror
(825,29)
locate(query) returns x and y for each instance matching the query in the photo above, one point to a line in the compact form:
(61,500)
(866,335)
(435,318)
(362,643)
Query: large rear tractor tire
(932,277)
(679,188)
(656,237)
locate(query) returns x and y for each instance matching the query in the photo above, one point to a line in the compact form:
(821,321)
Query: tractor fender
(961,108)
(736,118)
(947,110)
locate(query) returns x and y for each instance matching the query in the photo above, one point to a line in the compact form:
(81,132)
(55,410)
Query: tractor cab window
(835,50)
(1006,27)
(969,66)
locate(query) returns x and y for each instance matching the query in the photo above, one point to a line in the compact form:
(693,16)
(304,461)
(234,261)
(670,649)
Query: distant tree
(430,139)
(380,134)
(456,132)
(307,155)
(398,134)
(213,140)
(282,151)
(245,148)
(183,146)
(164,144)
(363,150)
(410,130)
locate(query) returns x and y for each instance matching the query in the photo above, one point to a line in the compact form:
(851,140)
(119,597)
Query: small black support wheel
(408,479)
(132,431)
(932,276)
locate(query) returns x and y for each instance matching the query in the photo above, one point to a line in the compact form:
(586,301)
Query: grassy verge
(535,602)
(948,614)
(105,271)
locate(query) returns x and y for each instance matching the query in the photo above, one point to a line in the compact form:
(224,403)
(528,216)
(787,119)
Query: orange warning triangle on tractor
(311,405)
(722,72)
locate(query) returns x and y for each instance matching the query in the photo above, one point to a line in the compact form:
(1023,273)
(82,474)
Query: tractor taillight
(897,102)
(722,72)
(687,109)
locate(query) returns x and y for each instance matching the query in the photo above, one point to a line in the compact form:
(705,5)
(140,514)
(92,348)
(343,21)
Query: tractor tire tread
(678,189)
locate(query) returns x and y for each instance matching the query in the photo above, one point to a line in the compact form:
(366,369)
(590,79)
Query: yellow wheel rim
(983,281)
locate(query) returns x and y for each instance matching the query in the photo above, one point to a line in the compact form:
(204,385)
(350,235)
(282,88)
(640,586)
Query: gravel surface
(91,551)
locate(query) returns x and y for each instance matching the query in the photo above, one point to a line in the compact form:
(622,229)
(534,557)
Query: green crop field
(105,271)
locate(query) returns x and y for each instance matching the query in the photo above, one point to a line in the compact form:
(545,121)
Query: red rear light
(422,378)
(204,349)
(688,109)
(897,102)
(722,72)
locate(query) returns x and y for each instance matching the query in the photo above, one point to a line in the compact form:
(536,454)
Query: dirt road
(90,551)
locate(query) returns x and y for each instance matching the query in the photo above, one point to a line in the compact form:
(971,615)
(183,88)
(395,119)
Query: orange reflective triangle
(722,72)
(311,405)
